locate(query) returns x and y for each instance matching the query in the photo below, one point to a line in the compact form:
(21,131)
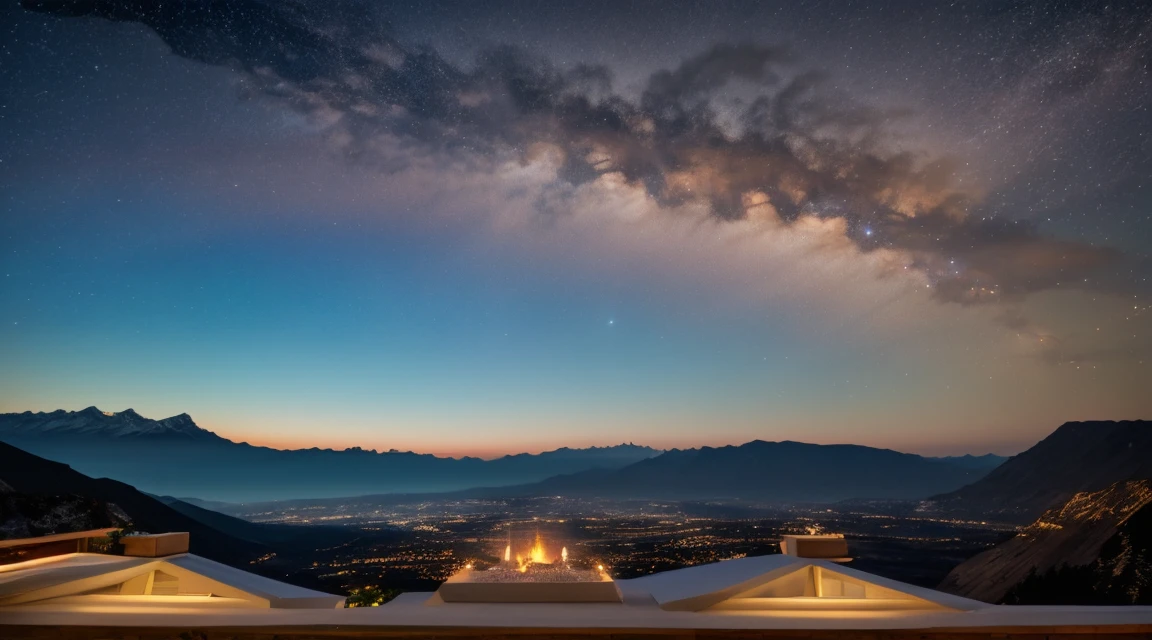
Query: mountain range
(174,456)
(986,462)
(781,472)
(1086,491)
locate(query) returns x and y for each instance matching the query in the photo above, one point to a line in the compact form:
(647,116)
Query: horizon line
(457,455)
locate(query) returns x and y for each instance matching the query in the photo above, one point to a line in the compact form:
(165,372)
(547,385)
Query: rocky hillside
(30,516)
(1072,535)
(1122,575)
(1077,457)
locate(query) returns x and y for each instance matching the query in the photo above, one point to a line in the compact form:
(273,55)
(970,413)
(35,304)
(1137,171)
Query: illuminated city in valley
(714,319)
(421,544)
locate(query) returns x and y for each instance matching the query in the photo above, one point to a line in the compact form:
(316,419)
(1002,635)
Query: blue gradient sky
(174,243)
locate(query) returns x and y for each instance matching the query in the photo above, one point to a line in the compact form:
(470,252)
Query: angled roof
(280,594)
(698,588)
(41,573)
(413,612)
(80,574)
(946,600)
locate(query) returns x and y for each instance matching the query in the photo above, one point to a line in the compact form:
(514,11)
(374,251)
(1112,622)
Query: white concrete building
(85,595)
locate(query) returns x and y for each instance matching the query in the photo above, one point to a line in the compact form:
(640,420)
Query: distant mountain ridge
(1077,457)
(784,472)
(987,461)
(105,424)
(174,456)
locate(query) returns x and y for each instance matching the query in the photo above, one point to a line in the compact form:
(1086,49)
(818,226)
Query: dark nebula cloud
(794,145)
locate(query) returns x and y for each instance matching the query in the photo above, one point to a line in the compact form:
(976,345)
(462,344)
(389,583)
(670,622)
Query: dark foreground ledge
(45,632)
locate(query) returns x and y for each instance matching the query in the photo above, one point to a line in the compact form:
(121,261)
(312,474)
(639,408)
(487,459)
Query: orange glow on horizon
(300,433)
(488,451)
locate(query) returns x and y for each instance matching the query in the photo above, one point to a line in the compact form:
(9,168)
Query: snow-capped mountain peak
(95,422)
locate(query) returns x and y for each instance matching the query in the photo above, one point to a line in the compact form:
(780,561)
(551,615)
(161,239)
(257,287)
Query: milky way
(795,148)
(984,164)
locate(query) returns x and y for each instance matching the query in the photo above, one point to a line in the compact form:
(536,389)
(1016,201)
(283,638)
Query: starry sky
(481,228)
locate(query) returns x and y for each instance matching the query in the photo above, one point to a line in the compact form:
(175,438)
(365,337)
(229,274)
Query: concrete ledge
(826,547)
(200,632)
(155,545)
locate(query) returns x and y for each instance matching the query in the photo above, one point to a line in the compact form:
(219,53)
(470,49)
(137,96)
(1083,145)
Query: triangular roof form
(783,582)
(92,577)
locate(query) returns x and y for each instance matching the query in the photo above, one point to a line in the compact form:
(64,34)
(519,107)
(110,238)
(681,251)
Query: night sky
(488,227)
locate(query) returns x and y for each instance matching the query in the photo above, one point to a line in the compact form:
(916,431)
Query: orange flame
(537,554)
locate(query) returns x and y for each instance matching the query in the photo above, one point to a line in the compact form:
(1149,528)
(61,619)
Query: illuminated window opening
(152,583)
(817,588)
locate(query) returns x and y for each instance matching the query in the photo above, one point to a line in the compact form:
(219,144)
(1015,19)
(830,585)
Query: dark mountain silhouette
(284,539)
(235,527)
(1094,549)
(986,462)
(1077,457)
(39,497)
(31,475)
(175,457)
(761,471)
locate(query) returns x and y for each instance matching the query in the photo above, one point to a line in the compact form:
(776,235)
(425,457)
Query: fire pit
(532,577)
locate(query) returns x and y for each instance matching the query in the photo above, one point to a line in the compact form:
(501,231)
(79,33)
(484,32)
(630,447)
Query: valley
(666,511)
(434,539)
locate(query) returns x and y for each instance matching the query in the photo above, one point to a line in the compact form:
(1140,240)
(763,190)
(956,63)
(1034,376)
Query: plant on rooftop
(370,596)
